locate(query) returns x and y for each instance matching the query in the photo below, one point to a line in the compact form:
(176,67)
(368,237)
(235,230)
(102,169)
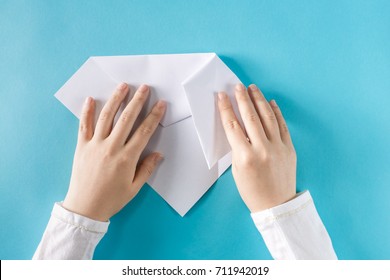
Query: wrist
(71,206)
(261,204)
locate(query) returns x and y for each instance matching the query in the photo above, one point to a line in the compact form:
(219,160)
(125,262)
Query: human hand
(107,172)
(264,159)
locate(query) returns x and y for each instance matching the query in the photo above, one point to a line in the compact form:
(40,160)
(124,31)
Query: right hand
(264,159)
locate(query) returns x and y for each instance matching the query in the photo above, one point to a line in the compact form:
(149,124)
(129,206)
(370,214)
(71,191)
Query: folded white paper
(190,135)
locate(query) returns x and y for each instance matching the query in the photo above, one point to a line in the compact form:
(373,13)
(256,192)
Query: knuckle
(123,160)
(145,130)
(110,157)
(266,157)
(107,156)
(111,150)
(232,124)
(284,128)
(104,115)
(277,111)
(258,97)
(270,116)
(83,128)
(149,169)
(252,117)
(248,160)
(126,116)
(226,107)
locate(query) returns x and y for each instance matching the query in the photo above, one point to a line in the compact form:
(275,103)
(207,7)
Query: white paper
(183,176)
(191,137)
(201,90)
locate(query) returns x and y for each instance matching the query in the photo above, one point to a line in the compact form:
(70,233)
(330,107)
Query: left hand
(107,172)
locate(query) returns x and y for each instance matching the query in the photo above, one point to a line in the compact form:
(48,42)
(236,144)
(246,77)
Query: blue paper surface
(327,63)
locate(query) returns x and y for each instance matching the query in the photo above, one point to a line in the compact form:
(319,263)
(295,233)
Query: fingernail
(253,87)
(143,88)
(158,157)
(221,95)
(273,103)
(161,104)
(240,87)
(122,86)
(88,100)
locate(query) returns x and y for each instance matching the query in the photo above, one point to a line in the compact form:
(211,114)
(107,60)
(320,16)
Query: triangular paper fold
(191,137)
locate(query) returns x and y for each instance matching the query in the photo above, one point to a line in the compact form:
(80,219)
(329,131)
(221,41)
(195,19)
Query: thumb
(146,169)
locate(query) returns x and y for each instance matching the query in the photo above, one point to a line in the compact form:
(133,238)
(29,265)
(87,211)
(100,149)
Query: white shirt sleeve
(69,236)
(294,230)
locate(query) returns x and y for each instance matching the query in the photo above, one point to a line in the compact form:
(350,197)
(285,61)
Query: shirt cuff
(289,208)
(69,236)
(79,221)
(294,230)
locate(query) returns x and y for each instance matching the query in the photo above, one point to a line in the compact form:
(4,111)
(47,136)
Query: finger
(232,127)
(266,113)
(141,136)
(284,133)
(86,120)
(106,117)
(249,115)
(128,117)
(144,171)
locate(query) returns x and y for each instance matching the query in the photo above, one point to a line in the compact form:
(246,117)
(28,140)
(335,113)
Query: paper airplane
(190,135)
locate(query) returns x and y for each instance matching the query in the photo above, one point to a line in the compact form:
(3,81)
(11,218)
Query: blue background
(327,63)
